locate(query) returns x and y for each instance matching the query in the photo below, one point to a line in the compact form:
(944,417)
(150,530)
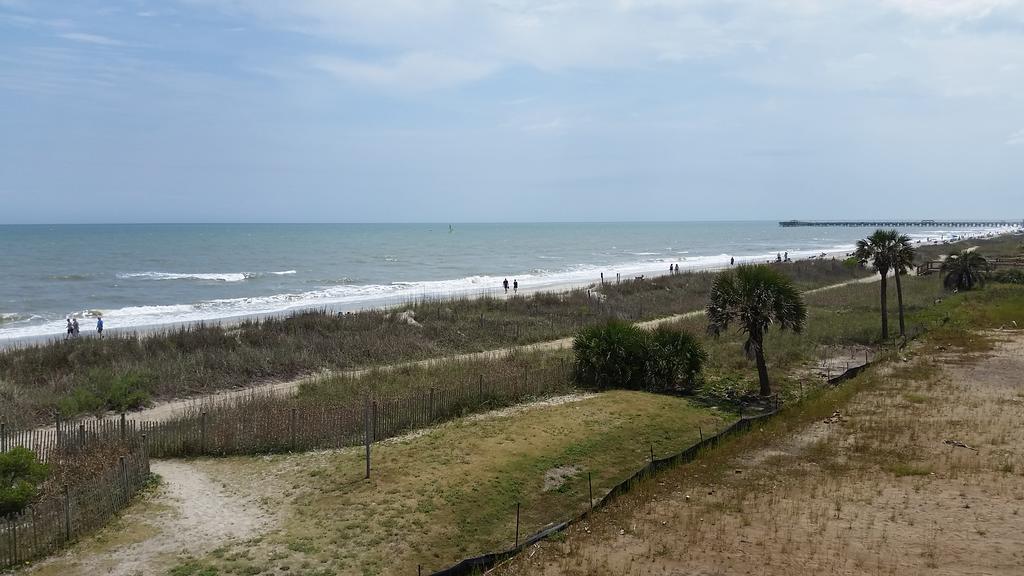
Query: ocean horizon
(141,276)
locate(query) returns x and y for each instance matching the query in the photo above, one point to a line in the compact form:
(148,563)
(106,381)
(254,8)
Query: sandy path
(168,410)
(190,513)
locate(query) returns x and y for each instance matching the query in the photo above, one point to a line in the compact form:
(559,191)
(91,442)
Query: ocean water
(151,275)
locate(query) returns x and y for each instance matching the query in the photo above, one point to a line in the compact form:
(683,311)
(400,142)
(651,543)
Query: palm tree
(755,297)
(877,251)
(901,257)
(964,270)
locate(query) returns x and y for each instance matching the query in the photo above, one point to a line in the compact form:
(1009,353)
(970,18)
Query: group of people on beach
(73,328)
(515,286)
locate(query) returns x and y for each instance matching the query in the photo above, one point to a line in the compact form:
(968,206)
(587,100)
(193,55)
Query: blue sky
(509,110)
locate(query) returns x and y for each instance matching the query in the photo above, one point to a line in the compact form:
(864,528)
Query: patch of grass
(193,568)
(914,371)
(901,469)
(914,398)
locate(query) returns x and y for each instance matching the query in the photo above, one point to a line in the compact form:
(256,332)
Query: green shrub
(20,476)
(676,360)
(728,389)
(621,355)
(1011,276)
(104,390)
(611,356)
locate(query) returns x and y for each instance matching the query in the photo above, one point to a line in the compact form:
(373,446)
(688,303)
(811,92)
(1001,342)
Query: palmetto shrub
(620,355)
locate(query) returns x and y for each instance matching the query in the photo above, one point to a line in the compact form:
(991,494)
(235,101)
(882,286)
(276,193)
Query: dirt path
(168,410)
(190,513)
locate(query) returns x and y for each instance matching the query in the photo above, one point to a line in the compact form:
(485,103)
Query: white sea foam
(210,277)
(219,277)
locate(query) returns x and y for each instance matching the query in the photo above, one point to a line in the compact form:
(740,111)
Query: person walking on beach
(515,286)
(99,326)
(732,260)
(785,257)
(505,284)
(74,327)
(71,329)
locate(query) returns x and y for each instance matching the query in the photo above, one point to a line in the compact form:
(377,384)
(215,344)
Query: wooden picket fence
(262,425)
(51,442)
(60,518)
(269,424)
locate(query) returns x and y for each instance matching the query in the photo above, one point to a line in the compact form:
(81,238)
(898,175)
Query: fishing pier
(904,223)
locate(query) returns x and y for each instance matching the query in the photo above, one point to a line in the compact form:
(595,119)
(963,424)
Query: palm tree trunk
(762,367)
(885,307)
(899,301)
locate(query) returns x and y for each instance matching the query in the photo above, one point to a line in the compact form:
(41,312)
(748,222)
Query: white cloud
(845,45)
(955,9)
(414,72)
(556,125)
(91,39)
(1016,139)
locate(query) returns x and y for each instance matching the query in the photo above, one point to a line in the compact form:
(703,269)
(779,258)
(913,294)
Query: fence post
(35,535)
(81,436)
(202,433)
(590,485)
(123,426)
(431,405)
(292,429)
(145,451)
(373,426)
(13,528)
(366,433)
(67,514)
(124,478)
(701,430)
(58,430)
(517,524)
(480,379)
(652,455)
(3,437)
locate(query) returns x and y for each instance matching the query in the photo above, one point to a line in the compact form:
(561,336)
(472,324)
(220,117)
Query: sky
(509,110)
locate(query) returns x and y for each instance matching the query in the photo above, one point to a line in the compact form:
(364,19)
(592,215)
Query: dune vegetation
(91,376)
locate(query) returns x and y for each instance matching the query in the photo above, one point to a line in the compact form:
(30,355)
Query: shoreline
(625,272)
(628,272)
